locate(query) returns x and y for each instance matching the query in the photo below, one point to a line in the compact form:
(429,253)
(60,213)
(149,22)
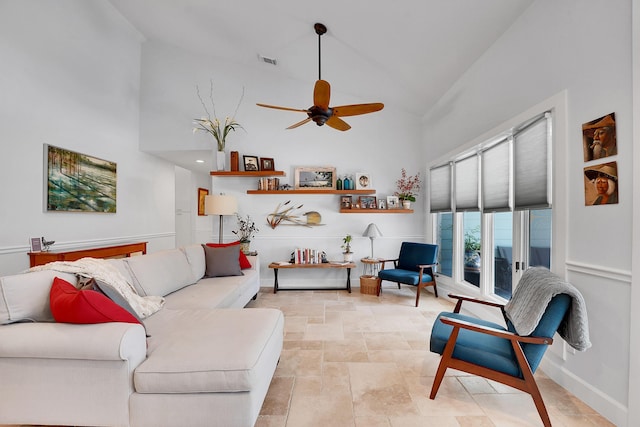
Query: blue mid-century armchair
(542,305)
(414,266)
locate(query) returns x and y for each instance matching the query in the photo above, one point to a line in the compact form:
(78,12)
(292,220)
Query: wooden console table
(276,266)
(39,258)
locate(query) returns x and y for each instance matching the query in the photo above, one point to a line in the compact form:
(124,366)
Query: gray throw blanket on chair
(529,302)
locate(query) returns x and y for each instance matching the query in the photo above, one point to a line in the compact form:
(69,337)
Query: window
(444,240)
(502,187)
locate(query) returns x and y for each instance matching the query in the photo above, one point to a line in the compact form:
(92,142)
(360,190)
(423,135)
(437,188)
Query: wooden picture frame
(367,202)
(363,181)
(251,163)
(202,193)
(266,164)
(345,202)
(315,178)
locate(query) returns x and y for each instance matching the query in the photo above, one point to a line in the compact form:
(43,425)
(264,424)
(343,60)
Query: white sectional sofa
(201,360)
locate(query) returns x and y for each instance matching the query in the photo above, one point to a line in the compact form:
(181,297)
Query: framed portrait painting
(363,181)
(266,164)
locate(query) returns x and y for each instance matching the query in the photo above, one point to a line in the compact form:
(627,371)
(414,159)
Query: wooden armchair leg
(444,362)
(398,285)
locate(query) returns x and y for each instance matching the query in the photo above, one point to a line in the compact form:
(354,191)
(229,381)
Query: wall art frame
(77,182)
(202,193)
(267,164)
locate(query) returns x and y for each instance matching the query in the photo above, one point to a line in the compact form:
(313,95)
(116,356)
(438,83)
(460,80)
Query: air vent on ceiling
(271,61)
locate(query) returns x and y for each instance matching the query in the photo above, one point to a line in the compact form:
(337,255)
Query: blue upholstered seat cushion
(407,277)
(474,347)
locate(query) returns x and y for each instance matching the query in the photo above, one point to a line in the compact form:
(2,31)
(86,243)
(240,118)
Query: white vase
(406,204)
(221,157)
(348,256)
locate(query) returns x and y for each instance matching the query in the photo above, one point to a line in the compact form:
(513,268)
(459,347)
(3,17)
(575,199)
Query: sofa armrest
(255,262)
(102,341)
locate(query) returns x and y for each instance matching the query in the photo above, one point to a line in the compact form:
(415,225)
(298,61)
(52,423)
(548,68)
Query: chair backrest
(413,254)
(547,327)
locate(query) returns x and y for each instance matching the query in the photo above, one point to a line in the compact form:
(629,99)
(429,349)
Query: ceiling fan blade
(281,108)
(356,109)
(307,120)
(322,94)
(337,123)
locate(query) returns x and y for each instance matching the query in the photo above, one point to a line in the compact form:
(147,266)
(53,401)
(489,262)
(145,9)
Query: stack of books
(307,256)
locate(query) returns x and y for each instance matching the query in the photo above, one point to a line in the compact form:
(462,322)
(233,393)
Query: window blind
(532,165)
(440,188)
(467,179)
(496,177)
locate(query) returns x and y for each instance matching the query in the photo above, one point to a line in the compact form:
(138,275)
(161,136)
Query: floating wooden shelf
(318,191)
(356,210)
(247,173)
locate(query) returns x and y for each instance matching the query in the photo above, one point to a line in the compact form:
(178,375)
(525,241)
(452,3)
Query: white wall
(583,48)
(380,144)
(70,77)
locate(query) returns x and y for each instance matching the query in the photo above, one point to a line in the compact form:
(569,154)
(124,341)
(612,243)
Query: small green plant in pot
(346,246)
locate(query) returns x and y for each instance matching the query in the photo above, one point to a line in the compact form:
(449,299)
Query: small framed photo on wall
(382,204)
(202,193)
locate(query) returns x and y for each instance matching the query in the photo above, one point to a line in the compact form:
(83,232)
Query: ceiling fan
(320,112)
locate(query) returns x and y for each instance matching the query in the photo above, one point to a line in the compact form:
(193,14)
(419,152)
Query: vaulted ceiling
(407,52)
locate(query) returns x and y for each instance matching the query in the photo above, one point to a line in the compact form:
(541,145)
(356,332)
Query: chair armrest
(383,261)
(461,298)
(495,332)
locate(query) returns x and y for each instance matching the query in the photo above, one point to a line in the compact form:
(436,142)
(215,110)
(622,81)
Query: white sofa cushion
(160,273)
(196,259)
(208,351)
(25,297)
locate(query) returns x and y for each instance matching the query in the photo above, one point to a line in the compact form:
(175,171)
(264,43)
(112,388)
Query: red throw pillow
(70,305)
(244,261)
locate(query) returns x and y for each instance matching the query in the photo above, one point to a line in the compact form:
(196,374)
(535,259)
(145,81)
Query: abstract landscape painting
(79,183)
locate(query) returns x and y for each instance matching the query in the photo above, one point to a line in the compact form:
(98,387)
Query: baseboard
(609,408)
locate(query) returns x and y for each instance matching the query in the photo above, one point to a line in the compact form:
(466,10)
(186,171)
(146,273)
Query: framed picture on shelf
(393,202)
(202,193)
(345,202)
(363,181)
(315,178)
(251,163)
(367,202)
(36,244)
(382,204)
(266,164)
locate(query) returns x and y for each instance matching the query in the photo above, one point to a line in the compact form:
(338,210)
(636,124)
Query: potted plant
(408,187)
(472,248)
(245,232)
(346,246)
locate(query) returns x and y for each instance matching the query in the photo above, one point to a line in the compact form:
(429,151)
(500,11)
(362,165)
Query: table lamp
(220,204)
(372,232)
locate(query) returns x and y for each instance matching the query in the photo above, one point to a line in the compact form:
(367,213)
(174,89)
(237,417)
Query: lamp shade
(220,204)
(372,231)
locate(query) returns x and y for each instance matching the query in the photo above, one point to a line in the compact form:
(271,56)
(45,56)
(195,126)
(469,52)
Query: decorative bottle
(339,184)
(347,183)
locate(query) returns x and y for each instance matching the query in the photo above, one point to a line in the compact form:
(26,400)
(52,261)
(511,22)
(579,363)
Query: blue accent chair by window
(414,266)
(497,352)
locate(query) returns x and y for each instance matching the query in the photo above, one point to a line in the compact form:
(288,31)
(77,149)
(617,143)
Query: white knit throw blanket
(535,290)
(103,271)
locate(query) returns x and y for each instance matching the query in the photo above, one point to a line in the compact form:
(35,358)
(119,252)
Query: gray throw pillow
(222,261)
(90,283)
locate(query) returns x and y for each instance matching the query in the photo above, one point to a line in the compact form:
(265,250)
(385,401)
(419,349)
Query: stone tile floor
(358,360)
